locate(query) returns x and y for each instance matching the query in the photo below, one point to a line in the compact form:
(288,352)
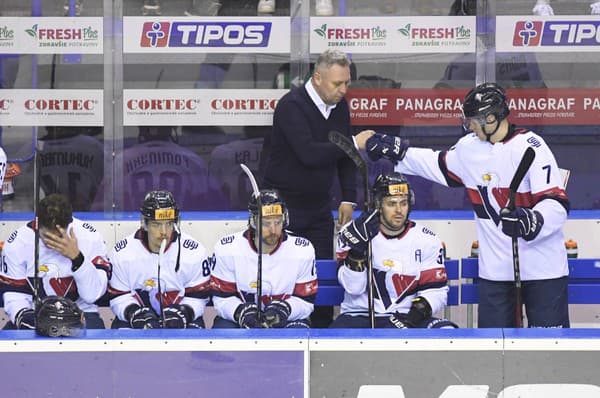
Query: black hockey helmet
(59,316)
(161,206)
(482,101)
(272,205)
(391,184)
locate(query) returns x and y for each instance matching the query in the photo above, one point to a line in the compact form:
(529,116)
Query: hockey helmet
(482,101)
(272,205)
(160,206)
(391,184)
(59,316)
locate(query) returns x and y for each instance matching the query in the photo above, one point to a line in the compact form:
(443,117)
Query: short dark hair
(55,209)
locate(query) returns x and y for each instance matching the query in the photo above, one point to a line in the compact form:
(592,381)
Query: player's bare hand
(64,242)
(362,137)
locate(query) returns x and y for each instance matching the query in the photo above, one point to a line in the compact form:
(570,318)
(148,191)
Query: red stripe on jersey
(221,286)
(306,289)
(474,196)
(116,292)
(198,288)
(557,193)
(63,286)
(13,282)
(433,275)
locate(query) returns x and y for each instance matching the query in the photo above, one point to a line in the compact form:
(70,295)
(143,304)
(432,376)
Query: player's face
(157,231)
(480,126)
(394,210)
(331,84)
(272,227)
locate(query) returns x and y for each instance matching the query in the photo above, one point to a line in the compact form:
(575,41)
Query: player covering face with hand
(150,289)
(289,279)
(410,283)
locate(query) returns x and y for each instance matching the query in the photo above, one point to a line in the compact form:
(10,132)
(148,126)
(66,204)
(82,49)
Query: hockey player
(144,283)
(3,164)
(72,263)
(484,161)
(410,281)
(289,279)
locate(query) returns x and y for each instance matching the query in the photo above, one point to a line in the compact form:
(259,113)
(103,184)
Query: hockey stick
(347,146)
(161,255)
(36,232)
(522,169)
(258,232)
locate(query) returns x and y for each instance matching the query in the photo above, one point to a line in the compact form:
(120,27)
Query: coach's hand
(521,222)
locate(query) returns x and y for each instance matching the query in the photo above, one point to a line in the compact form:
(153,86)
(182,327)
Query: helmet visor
(467,122)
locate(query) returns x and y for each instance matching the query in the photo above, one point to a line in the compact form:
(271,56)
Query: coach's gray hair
(328,58)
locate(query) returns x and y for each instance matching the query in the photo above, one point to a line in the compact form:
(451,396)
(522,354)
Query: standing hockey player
(150,289)
(408,264)
(484,161)
(3,165)
(72,263)
(289,278)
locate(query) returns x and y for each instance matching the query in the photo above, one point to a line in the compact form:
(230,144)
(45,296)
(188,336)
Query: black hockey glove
(246,315)
(386,146)
(142,318)
(420,310)
(356,261)
(198,323)
(360,231)
(276,314)
(521,222)
(177,316)
(25,319)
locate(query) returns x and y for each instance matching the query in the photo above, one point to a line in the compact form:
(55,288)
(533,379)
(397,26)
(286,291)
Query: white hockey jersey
(184,274)
(288,273)
(404,267)
(84,286)
(3,165)
(486,171)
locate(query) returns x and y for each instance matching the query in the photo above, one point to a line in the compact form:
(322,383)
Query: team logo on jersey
(149,284)
(205,34)
(556,33)
(388,263)
(253,284)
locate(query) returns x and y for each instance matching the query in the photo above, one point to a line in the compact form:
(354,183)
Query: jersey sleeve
(92,275)
(197,283)
(436,166)
(223,287)
(122,294)
(433,281)
(14,283)
(305,289)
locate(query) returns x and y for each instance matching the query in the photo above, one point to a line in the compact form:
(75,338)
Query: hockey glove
(197,324)
(386,146)
(420,309)
(521,222)
(143,318)
(177,316)
(359,232)
(25,319)
(276,314)
(357,262)
(246,315)
(399,320)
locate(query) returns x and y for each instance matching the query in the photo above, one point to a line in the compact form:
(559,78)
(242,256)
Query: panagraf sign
(198,107)
(51,107)
(55,35)
(372,35)
(443,107)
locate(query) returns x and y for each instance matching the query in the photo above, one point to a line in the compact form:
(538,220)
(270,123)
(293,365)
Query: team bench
(584,282)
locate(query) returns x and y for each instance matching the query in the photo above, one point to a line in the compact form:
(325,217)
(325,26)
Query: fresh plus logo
(155,34)
(556,33)
(527,33)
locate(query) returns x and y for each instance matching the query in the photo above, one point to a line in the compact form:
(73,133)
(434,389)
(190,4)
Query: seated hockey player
(410,282)
(150,289)
(72,263)
(289,279)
